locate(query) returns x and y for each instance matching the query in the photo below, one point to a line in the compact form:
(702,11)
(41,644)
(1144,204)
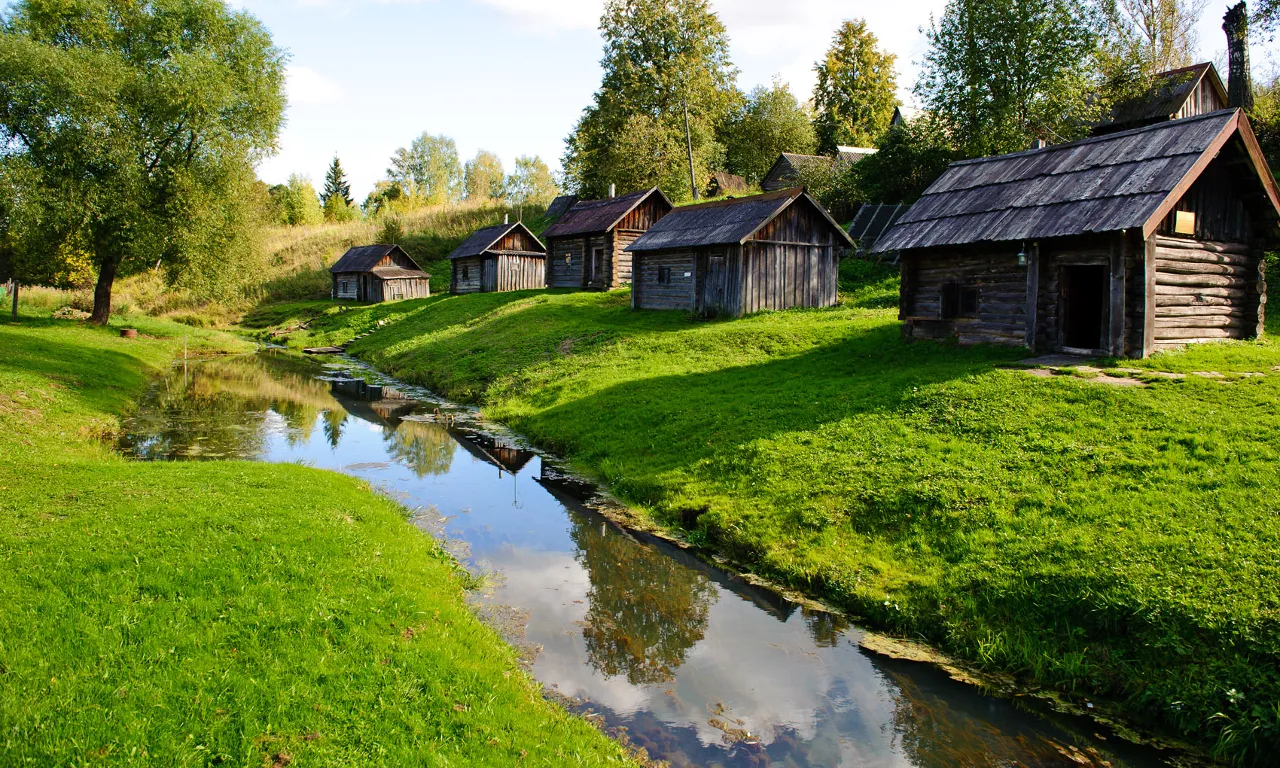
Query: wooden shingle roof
(589,217)
(1167,95)
(364,258)
(724,222)
(1109,183)
(482,240)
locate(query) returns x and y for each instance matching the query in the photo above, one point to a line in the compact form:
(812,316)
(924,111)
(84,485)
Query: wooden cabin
(586,248)
(505,257)
(733,257)
(722,184)
(376,273)
(790,168)
(1173,95)
(1121,244)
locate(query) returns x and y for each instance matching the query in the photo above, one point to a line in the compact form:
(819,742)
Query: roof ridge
(1166,125)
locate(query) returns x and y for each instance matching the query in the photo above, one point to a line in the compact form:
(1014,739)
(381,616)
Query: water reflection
(701,667)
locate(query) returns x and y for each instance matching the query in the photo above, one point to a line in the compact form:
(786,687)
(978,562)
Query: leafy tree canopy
(297,202)
(856,91)
(429,169)
(483,177)
(531,182)
(659,56)
(137,125)
(771,121)
(911,157)
(1001,73)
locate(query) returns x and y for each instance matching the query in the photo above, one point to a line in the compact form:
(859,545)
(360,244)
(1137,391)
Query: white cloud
(543,16)
(307,86)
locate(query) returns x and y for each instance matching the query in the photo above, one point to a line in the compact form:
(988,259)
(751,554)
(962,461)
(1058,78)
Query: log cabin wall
(632,226)
(1206,291)
(564,262)
(664,280)
(1121,256)
(466,275)
(346,285)
(985,292)
(519,273)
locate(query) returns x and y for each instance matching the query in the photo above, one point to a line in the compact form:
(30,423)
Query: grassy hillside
(227,613)
(1111,541)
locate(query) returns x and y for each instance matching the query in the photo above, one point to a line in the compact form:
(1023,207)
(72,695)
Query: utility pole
(688,142)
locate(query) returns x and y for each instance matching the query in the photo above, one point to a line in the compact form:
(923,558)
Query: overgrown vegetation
(1115,542)
(227,612)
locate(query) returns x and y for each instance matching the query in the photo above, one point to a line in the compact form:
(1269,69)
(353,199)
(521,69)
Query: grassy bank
(227,613)
(1107,541)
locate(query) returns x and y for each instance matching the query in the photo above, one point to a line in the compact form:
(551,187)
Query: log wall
(648,293)
(565,259)
(1207,291)
(1002,295)
(469,284)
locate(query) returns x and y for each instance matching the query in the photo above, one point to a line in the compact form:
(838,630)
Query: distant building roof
(724,222)
(903,114)
(1108,183)
(593,216)
(1166,98)
(854,154)
(484,239)
(364,258)
(723,183)
(786,170)
(872,221)
(560,206)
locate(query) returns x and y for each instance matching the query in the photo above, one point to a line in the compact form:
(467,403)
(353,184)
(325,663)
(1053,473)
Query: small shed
(505,257)
(732,257)
(1173,95)
(586,248)
(789,169)
(375,273)
(1121,244)
(723,183)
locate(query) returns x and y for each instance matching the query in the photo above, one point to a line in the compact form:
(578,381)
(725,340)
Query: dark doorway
(1084,307)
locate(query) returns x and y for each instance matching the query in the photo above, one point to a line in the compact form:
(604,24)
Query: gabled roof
(560,205)
(363,258)
(1167,95)
(904,114)
(724,222)
(872,221)
(1110,183)
(482,240)
(395,273)
(588,217)
(854,154)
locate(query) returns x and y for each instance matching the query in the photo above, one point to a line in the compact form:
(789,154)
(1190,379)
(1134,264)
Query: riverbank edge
(1106,713)
(163,344)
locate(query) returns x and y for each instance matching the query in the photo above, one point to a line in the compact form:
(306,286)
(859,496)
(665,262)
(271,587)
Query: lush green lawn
(227,613)
(1122,542)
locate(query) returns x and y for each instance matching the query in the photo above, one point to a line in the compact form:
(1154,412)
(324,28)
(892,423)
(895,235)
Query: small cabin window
(959,300)
(466,273)
(664,275)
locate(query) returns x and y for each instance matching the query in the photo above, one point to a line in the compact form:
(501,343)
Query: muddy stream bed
(694,664)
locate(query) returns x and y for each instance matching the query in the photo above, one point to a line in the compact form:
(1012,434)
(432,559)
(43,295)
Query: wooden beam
(1149,305)
(1119,249)
(1033,295)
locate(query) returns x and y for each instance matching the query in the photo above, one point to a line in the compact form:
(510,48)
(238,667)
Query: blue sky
(512,76)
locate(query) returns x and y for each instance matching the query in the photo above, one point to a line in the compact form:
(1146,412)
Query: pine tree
(857,89)
(336,185)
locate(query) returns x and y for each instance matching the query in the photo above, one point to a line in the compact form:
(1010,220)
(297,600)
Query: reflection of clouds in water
(771,675)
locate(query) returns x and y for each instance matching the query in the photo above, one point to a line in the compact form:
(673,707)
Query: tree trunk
(14,283)
(102,292)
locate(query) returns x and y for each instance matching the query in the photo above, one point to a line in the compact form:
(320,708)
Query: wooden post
(1149,311)
(15,298)
(1033,295)
(1119,248)
(1262,293)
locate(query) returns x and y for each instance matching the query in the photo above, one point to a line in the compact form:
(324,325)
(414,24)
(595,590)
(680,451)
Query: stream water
(700,667)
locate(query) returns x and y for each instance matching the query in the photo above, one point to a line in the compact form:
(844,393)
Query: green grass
(1108,542)
(227,613)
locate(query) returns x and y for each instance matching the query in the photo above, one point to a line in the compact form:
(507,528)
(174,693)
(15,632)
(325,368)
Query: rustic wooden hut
(731,257)
(1173,95)
(375,273)
(586,248)
(504,257)
(1121,244)
(723,183)
(790,168)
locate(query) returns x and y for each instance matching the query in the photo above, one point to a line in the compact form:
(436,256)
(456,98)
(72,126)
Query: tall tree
(428,168)
(531,182)
(660,57)
(1267,17)
(1003,72)
(770,121)
(297,202)
(140,123)
(856,91)
(336,185)
(483,177)
(1144,38)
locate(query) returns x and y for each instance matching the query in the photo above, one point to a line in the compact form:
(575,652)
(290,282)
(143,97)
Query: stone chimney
(1239,84)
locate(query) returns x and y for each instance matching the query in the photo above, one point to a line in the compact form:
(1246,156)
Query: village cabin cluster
(1149,234)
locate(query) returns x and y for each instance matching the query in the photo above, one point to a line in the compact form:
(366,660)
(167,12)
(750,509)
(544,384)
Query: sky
(513,76)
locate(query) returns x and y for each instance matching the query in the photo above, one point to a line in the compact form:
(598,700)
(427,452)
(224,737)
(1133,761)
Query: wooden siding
(1206,291)
(471,282)
(799,223)
(1221,214)
(346,286)
(400,288)
(1203,99)
(777,276)
(565,262)
(516,240)
(648,293)
(518,273)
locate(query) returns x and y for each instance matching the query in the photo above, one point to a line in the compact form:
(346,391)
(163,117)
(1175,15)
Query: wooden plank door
(715,274)
(489,275)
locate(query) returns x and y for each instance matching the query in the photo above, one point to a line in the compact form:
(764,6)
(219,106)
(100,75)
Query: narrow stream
(700,667)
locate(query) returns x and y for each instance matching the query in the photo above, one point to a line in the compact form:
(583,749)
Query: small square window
(959,301)
(664,275)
